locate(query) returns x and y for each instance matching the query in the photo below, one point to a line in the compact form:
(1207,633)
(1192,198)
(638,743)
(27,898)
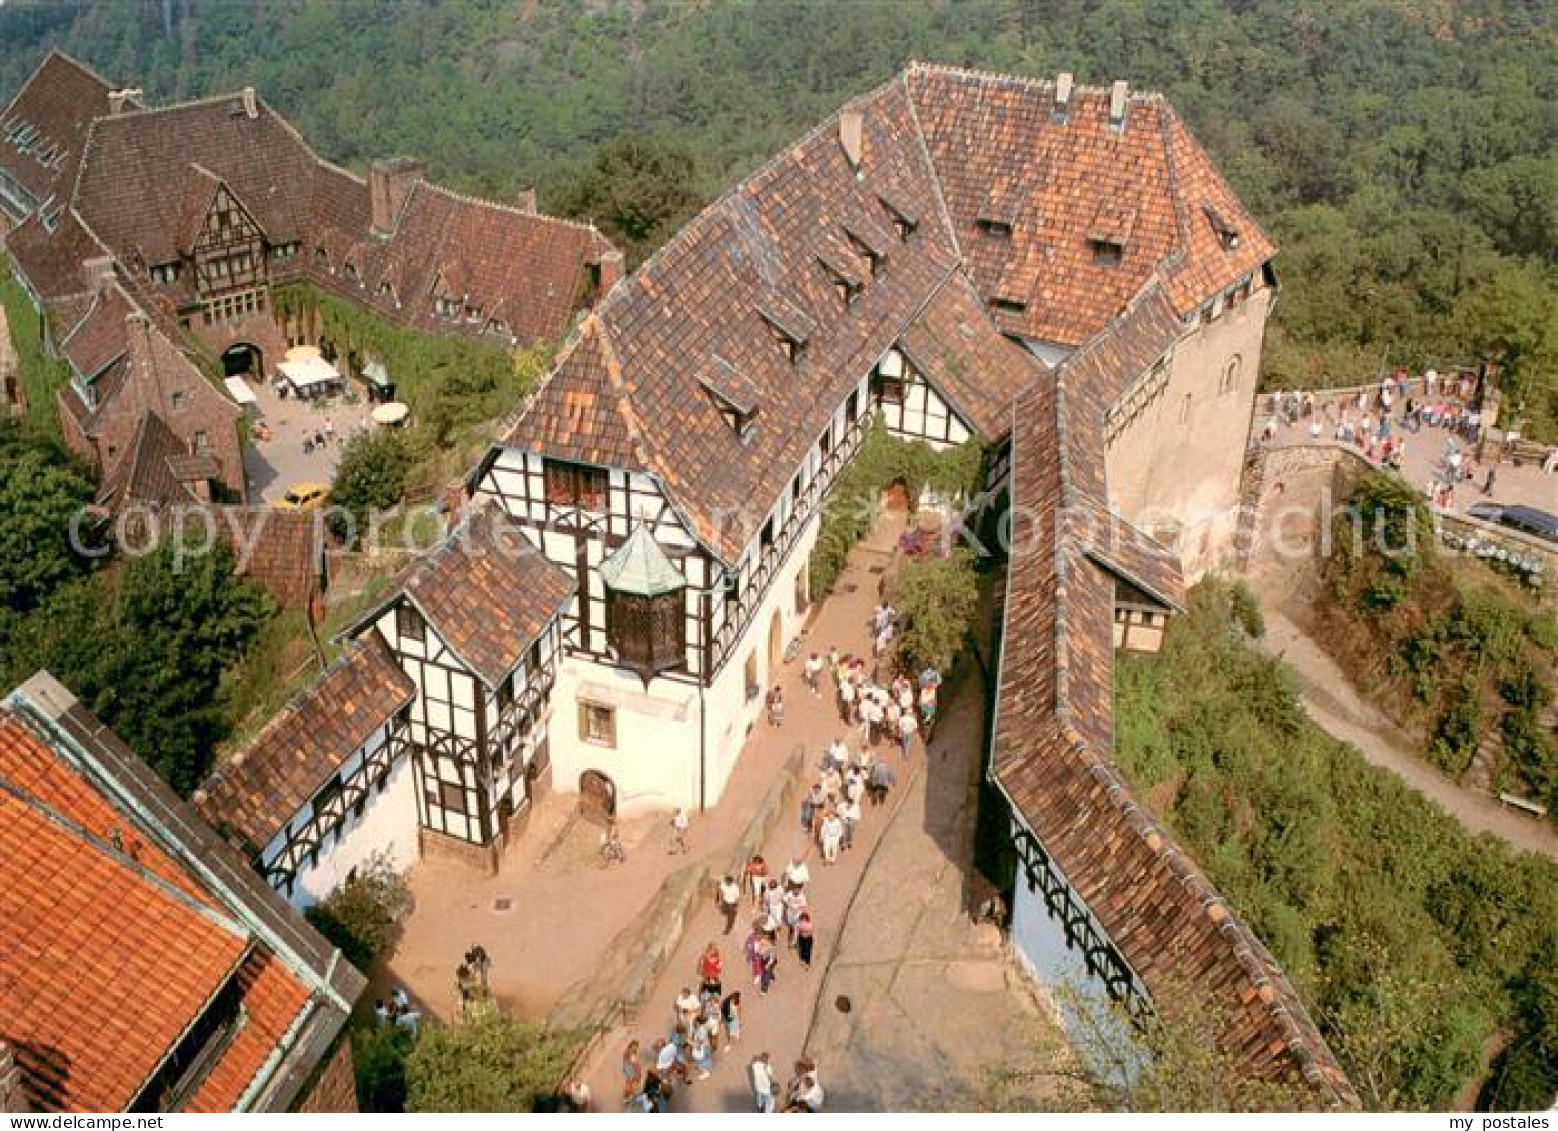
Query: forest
(1401,152)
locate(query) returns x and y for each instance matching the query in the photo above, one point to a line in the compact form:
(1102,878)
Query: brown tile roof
(280,551)
(145,473)
(259,789)
(956,346)
(50,261)
(121,917)
(43,129)
(97,339)
(1004,157)
(1052,753)
(486,590)
(630,390)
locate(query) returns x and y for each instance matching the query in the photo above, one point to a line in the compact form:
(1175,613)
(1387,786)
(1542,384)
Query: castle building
(1054,271)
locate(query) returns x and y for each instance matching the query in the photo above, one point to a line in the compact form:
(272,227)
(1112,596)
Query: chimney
(612,268)
(526,200)
(390,182)
(1118,94)
(251,106)
(127,99)
(12,1098)
(98,272)
(141,389)
(1063,86)
(851,134)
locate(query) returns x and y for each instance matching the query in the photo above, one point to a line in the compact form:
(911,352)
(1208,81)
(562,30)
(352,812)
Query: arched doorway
(775,646)
(597,796)
(242,360)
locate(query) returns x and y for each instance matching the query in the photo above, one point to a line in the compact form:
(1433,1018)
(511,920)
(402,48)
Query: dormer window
(790,336)
(994,227)
(903,220)
(574,485)
(472,312)
(446,307)
(1106,253)
(1227,234)
(351,271)
(165,273)
(321,257)
(497,327)
(874,257)
(847,288)
(1008,305)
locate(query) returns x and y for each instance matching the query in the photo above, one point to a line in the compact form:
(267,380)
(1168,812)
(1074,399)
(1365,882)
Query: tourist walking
(632,1073)
(679,823)
(776,706)
(804,933)
(711,967)
(728,899)
(832,837)
(757,880)
(813,673)
(730,1013)
(770,966)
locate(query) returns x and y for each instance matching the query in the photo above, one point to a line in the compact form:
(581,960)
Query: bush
(370,477)
(379,1054)
(362,916)
(936,600)
(1457,731)
(486,1063)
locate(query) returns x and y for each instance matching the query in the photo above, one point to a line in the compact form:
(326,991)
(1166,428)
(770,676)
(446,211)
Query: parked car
(1527,520)
(304,497)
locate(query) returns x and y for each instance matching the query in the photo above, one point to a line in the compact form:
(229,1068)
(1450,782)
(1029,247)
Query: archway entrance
(775,647)
(242,360)
(597,796)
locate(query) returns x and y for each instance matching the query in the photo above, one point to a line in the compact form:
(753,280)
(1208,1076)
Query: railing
(1102,959)
(773,561)
(520,713)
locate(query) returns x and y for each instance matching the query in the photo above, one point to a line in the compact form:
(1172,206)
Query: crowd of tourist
(881,722)
(1378,421)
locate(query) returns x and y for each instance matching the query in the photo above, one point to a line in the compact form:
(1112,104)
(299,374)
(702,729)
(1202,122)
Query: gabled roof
(122,916)
(1053,750)
(43,129)
(97,339)
(487,592)
(1060,182)
(630,391)
(960,351)
(259,789)
(150,469)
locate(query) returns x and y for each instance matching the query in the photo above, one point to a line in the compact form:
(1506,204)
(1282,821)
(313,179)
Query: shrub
(379,1055)
(1456,733)
(363,915)
(936,599)
(371,477)
(486,1063)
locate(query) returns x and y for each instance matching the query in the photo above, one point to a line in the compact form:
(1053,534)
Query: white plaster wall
(388,824)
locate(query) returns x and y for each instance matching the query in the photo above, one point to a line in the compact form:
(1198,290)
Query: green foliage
(638,190)
(1381,537)
(1457,731)
(41,489)
(447,381)
(936,599)
(145,649)
(362,916)
(486,1063)
(882,460)
(43,375)
(370,477)
(379,1054)
(1411,941)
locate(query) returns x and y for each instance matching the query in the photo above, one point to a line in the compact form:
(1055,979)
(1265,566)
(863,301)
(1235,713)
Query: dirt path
(1334,705)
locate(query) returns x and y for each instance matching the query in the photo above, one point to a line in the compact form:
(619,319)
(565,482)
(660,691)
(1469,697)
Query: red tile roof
(97,339)
(280,551)
(1053,742)
(148,471)
(1058,183)
(103,963)
(123,920)
(43,129)
(259,789)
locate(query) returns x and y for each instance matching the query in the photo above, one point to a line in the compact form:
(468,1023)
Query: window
(598,724)
(574,485)
(889,390)
(994,227)
(505,694)
(648,633)
(751,676)
(1106,253)
(1009,305)
(446,307)
(200,441)
(176,399)
(408,623)
(766,538)
(451,796)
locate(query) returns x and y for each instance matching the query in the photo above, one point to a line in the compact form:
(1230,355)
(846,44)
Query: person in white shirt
(814,673)
(796,874)
(762,1083)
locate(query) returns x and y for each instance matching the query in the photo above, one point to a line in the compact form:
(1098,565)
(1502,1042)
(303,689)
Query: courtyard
(275,463)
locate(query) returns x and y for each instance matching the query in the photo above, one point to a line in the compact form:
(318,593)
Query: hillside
(1402,152)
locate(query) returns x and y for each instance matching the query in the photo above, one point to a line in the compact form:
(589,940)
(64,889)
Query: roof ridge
(630,419)
(80,832)
(1011,78)
(512,209)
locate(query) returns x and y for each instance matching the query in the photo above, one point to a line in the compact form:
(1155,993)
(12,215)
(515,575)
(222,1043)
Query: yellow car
(304,497)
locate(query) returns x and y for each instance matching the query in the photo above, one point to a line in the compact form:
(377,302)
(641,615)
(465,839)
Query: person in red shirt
(710,968)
